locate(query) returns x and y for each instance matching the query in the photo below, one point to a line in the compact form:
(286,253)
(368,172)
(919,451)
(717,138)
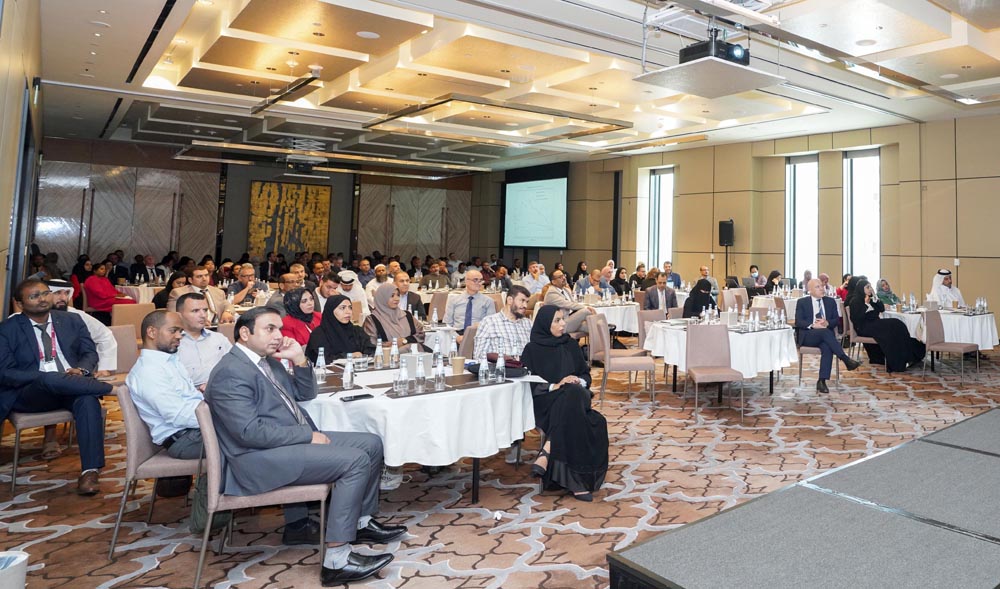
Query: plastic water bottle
(399,382)
(319,370)
(439,382)
(453,352)
(437,351)
(434,316)
(394,355)
(379,363)
(420,380)
(484,371)
(348,377)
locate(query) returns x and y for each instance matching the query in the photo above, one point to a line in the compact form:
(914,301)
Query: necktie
(47,347)
(822,311)
(289,402)
(150,274)
(468,314)
(663,299)
(211,304)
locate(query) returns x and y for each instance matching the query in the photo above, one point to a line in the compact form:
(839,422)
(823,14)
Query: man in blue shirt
(535,279)
(594,283)
(470,307)
(673,278)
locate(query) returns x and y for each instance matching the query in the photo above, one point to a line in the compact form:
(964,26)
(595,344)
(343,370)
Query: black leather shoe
(821,386)
(588,497)
(851,364)
(307,534)
(376,533)
(358,567)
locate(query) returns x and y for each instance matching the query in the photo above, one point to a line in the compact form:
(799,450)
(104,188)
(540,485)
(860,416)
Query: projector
(715,47)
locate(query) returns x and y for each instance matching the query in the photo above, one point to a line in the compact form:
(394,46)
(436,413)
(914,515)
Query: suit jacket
(218,297)
(118,272)
(277,269)
(19,352)
(258,434)
(652,300)
(138,271)
(804,316)
(562,298)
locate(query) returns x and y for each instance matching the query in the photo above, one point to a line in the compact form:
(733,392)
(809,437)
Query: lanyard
(41,350)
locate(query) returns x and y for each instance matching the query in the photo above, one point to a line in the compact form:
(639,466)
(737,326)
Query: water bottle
(394,355)
(379,362)
(439,382)
(399,382)
(484,371)
(420,380)
(704,314)
(501,366)
(414,348)
(319,370)
(437,351)
(348,377)
(453,352)
(434,316)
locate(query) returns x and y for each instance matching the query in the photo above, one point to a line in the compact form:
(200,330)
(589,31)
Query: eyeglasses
(475,280)
(39,295)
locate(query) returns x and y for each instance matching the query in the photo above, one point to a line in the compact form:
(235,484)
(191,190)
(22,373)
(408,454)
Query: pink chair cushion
(953,348)
(28,420)
(631,363)
(714,374)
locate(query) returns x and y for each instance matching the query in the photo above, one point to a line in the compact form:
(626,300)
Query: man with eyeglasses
(470,307)
(287,282)
(246,285)
(46,361)
(561,296)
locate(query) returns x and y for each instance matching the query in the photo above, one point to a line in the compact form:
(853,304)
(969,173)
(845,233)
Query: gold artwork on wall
(288,217)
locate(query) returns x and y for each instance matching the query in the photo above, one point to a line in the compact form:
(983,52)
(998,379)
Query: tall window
(802,215)
(862,217)
(660,217)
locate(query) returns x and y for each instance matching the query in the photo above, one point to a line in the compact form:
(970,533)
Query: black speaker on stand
(727,230)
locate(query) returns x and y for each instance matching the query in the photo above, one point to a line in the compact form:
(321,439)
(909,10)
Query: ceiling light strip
(221,160)
(289,89)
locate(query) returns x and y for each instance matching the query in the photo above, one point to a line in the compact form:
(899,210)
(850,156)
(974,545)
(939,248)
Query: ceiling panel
(298,128)
(947,66)
(429,85)
(287,61)
(738,106)
(486,57)
(616,85)
(257,86)
(368,102)
(982,14)
(376,149)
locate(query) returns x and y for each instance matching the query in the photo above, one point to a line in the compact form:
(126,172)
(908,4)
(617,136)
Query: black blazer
(804,315)
(137,271)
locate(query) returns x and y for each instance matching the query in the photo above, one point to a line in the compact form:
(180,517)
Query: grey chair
(857,341)
(23,421)
(217,501)
(934,332)
(143,459)
(631,360)
(468,345)
(708,359)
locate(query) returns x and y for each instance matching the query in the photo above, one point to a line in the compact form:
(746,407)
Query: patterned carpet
(670,466)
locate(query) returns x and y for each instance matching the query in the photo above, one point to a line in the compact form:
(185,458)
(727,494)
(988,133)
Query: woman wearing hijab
(389,321)
(575,454)
(581,271)
(302,318)
(885,294)
(772,281)
(621,283)
(176,280)
(852,289)
(83,270)
(700,298)
(336,334)
(896,349)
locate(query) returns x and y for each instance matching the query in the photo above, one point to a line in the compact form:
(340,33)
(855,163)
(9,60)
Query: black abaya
(896,349)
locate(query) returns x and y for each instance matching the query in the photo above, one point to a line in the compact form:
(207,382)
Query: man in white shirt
(381,277)
(535,279)
(107,345)
(816,318)
(470,307)
(200,349)
(594,283)
(352,289)
(660,298)
(408,300)
(453,263)
(944,291)
(561,296)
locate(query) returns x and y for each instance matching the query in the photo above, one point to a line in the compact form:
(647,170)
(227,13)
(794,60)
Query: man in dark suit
(269,268)
(662,297)
(46,361)
(816,317)
(146,272)
(269,442)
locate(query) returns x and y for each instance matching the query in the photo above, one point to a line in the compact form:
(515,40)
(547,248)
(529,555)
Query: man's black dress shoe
(376,533)
(307,534)
(851,364)
(821,386)
(358,567)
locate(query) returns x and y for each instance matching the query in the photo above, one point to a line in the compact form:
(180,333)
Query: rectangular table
(958,327)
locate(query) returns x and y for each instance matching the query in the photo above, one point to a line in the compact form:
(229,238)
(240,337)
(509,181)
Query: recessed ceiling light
(948,76)
(423,32)
(87,75)
(272,69)
(97,34)
(238,85)
(293,53)
(504,71)
(255,82)
(275,90)
(180,41)
(291,63)
(866,42)
(511,124)
(390,89)
(206,2)
(103,11)
(357,102)
(422,75)
(77,118)
(169,61)
(966,67)
(93,53)
(367,34)
(196,131)
(317,24)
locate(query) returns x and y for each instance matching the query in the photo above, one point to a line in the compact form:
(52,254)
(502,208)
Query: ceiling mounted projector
(711,69)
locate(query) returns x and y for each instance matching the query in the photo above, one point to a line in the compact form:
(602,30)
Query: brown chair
(811,351)
(617,360)
(143,460)
(532,301)
(228,330)
(648,317)
(356,312)
(128,351)
(934,332)
(797,293)
(83,298)
(131,315)
(23,421)
(439,301)
(497,301)
(779,306)
(217,501)
(468,345)
(640,297)
(708,359)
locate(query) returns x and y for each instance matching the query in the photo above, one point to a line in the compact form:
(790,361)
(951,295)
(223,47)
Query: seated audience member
(535,279)
(269,268)
(176,280)
(381,277)
(816,318)
(944,292)
(516,271)
(318,271)
(509,328)
(575,453)
(458,276)
(117,270)
(581,271)
(225,272)
(559,295)
(593,284)
(700,299)
(301,317)
(661,297)
(636,279)
(408,301)
(828,289)
(484,268)
(101,294)
(650,280)
(52,266)
(166,264)
(46,363)
(470,307)
(452,264)
(806,277)
(435,278)
(218,307)
(82,270)
(269,442)
(365,272)
(352,289)
(558,266)
(104,340)
(299,270)
(200,348)
(389,321)
(416,268)
(146,271)
(336,334)
(209,263)
(755,280)
(502,279)
(246,286)
(286,283)
(895,348)
(328,287)
(772,281)
(37,268)
(711,279)
(842,291)
(673,278)
(885,293)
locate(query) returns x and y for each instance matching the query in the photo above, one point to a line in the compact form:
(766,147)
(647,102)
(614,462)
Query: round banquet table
(958,327)
(750,353)
(140,294)
(624,317)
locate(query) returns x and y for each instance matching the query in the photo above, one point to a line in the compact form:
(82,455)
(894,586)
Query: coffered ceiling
(488,84)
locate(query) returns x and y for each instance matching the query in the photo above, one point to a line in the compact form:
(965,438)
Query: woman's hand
(571,379)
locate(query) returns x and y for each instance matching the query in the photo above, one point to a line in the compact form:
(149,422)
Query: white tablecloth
(141,294)
(751,353)
(625,317)
(682,296)
(975,329)
(443,332)
(435,429)
(767,302)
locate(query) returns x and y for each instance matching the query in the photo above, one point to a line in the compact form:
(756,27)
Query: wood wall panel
(373,228)
(114,200)
(155,198)
(459,203)
(417,220)
(415,226)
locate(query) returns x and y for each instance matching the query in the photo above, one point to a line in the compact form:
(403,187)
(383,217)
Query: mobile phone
(356,397)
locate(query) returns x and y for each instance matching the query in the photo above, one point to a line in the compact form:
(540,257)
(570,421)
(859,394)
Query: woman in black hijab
(620,283)
(896,349)
(852,289)
(177,280)
(700,298)
(575,454)
(82,270)
(772,281)
(336,334)
(581,271)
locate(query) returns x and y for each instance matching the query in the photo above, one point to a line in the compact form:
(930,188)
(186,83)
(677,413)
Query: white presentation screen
(535,214)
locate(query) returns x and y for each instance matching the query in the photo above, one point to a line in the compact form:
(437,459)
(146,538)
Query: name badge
(49,366)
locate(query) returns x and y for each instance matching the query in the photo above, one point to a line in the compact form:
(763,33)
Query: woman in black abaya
(336,334)
(700,298)
(896,349)
(575,454)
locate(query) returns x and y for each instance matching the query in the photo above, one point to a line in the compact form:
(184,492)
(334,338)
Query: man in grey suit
(269,442)
(662,297)
(561,296)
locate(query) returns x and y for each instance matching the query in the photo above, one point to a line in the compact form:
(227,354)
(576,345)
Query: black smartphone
(356,397)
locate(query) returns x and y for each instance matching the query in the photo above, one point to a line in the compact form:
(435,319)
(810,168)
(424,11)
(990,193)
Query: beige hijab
(393,320)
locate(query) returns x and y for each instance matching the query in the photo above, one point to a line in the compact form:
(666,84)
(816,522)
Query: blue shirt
(584,284)
(535,285)
(365,277)
(454,314)
(163,393)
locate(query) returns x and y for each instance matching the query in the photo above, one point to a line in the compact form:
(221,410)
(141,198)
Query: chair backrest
(707,345)
(797,292)
(468,345)
(356,311)
(779,305)
(139,446)
(83,294)
(740,294)
(849,325)
(640,297)
(934,328)
(675,313)
(648,317)
(131,315)
(533,300)
(128,351)
(228,330)
(497,301)
(726,298)
(439,301)
(599,336)
(213,457)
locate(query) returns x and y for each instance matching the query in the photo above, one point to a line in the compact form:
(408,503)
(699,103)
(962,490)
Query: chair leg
(204,545)
(604,384)
(152,502)
(628,387)
(652,389)
(800,369)
(13,466)
(742,403)
(121,514)
(322,529)
(71,434)
(961,363)
(696,406)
